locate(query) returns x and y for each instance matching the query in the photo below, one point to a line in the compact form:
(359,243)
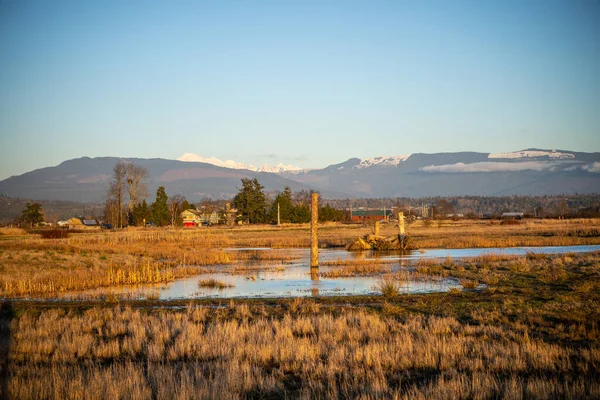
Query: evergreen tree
(301,214)
(329,213)
(187,206)
(32,214)
(251,201)
(160,208)
(286,206)
(141,212)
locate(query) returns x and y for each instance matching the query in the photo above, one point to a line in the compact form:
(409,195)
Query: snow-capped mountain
(554,154)
(525,172)
(191,157)
(384,161)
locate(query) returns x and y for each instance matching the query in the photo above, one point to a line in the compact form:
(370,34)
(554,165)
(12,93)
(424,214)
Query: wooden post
(377,225)
(314,237)
(401,223)
(278,219)
(314,274)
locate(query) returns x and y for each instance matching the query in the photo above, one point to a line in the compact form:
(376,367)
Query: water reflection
(314,274)
(296,278)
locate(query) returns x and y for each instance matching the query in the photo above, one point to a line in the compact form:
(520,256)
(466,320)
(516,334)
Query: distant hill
(87,180)
(526,172)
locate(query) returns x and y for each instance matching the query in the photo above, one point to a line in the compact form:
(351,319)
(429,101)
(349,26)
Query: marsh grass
(253,269)
(33,267)
(356,270)
(468,283)
(391,285)
(533,335)
(241,351)
(54,234)
(214,284)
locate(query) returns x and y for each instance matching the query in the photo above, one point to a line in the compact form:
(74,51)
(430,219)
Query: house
(84,224)
(512,215)
(191,218)
(371,215)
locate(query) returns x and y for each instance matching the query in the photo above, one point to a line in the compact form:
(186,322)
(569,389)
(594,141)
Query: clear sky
(306,83)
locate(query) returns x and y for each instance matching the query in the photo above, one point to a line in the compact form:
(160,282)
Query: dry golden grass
(356,270)
(343,263)
(214,283)
(12,232)
(238,352)
(31,266)
(46,273)
(245,269)
(534,335)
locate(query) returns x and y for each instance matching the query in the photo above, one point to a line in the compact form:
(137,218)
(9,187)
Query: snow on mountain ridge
(191,157)
(278,168)
(531,154)
(385,161)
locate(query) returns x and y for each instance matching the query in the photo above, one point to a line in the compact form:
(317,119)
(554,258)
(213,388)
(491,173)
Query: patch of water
(295,280)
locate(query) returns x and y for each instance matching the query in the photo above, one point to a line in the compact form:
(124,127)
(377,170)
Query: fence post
(314,236)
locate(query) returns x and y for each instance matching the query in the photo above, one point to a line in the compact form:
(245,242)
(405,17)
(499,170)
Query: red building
(371,215)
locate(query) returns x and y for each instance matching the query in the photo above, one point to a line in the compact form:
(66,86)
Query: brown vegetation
(241,352)
(533,333)
(214,283)
(361,269)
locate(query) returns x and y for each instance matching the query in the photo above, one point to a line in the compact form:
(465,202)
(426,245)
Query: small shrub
(469,283)
(111,298)
(536,256)
(154,295)
(54,234)
(388,286)
(213,283)
(491,279)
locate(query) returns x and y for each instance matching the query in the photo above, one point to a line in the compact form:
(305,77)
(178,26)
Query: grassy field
(533,333)
(521,327)
(33,266)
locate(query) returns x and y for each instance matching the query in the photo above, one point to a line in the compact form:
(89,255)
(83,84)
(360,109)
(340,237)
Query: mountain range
(525,172)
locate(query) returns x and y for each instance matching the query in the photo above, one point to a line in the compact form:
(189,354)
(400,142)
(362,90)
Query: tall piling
(401,223)
(377,226)
(314,236)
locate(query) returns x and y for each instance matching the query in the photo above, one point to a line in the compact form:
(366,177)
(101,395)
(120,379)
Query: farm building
(371,215)
(512,215)
(83,224)
(191,218)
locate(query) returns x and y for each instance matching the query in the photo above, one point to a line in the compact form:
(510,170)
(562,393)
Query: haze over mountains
(526,172)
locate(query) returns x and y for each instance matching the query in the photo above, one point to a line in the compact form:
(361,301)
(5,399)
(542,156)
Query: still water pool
(294,278)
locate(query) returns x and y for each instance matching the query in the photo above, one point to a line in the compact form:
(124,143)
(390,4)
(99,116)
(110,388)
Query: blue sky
(306,83)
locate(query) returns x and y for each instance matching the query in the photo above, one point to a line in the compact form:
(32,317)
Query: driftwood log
(375,242)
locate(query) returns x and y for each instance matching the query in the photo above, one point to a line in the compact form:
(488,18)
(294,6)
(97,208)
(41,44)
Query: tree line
(126,203)
(126,200)
(254,207)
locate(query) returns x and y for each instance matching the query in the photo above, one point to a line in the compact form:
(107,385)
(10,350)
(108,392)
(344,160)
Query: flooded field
(294,278)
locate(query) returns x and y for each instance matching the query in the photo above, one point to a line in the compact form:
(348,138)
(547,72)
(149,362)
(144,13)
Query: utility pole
(278,217)
(314,236)
(401,223)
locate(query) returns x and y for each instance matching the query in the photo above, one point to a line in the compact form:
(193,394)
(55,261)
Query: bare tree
(130,177)
(115,191)
(111,212)
(136,184)
(175,207)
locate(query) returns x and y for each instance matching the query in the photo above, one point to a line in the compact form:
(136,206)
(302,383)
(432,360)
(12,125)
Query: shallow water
(295,279)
